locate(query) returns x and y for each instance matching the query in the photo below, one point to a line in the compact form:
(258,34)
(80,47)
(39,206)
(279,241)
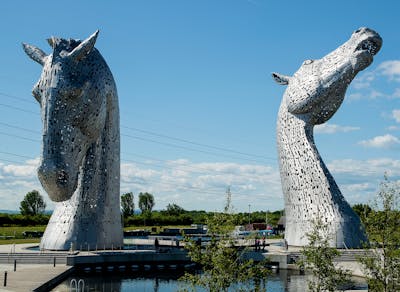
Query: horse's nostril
(62,177)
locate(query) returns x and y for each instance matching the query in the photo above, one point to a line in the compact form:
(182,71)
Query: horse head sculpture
(80,148)
(314,93)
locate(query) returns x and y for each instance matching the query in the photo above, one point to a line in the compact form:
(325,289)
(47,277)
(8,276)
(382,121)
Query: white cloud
(366,168)
(363,80)
(332,128)
(393,128)
(359,192)
(375,94)
(16,180)
(396,115)
(359,179)
(19,170)
(385,141)
(390,69)
(130,171)
(354,96)
(364,83)
(359,187)
(27,170)
(203,185)
(370,94)
(396,93)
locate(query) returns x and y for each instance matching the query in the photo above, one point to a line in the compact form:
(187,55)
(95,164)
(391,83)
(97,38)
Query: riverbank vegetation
(224,266)
(318,259)
(381,261)
(381,256)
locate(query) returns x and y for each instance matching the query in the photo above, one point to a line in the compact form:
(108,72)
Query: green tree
(318,259)
(174,210)
(146,202)
(32,204)
(381,262)
(362,210)
(224,266)
(127,204)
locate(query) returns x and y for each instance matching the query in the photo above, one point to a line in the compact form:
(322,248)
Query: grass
(16,233)
(17,237)
(158,228)
(19,240)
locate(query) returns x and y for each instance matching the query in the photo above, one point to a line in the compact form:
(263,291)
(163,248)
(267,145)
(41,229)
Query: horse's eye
(308,62)
(75,92)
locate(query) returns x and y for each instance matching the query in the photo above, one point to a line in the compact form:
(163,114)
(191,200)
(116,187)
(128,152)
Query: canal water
(160,281)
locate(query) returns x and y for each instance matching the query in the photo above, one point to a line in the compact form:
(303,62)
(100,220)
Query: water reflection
(284,281)
(167,280)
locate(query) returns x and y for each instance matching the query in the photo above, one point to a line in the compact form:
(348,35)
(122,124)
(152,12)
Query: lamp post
(249,214)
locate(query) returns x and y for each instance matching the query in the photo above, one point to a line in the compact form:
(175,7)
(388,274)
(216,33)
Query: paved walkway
(27,276)
(23,247)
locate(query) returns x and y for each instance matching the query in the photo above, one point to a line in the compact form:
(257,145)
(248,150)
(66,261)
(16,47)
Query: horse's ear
(84,47)
(281,79)
(35,53)
(53,41)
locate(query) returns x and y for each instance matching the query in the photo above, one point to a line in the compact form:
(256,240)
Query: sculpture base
(345,234)
(70,229)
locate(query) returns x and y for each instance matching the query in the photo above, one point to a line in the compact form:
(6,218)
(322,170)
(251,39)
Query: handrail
(79,285)
(71,283)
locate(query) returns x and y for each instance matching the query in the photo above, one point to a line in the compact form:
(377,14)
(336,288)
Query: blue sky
(198,105)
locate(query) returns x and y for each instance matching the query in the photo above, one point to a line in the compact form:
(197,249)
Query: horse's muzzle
(55,181)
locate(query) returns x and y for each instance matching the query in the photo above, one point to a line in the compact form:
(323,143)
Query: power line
(20,128)
(139,138)
(177,167)
(194,143)
(19,137)
(17,155)
(182,166)
(214,191)
(161,143)
(18,108)
(38,141)
(149,132)
(189,169)
(186,165)
(10,161)
(187,148)
(18,98)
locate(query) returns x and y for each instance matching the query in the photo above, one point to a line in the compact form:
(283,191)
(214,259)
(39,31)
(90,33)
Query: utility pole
(249,214)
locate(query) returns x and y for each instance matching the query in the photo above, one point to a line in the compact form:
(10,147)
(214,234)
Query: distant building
(280,228)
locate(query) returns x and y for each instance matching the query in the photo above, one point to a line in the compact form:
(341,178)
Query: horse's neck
(98,185)
(295,138)
(106,150)
(305,178)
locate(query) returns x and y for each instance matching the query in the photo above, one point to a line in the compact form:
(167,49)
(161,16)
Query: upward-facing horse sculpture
(80,164)
(314,94)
